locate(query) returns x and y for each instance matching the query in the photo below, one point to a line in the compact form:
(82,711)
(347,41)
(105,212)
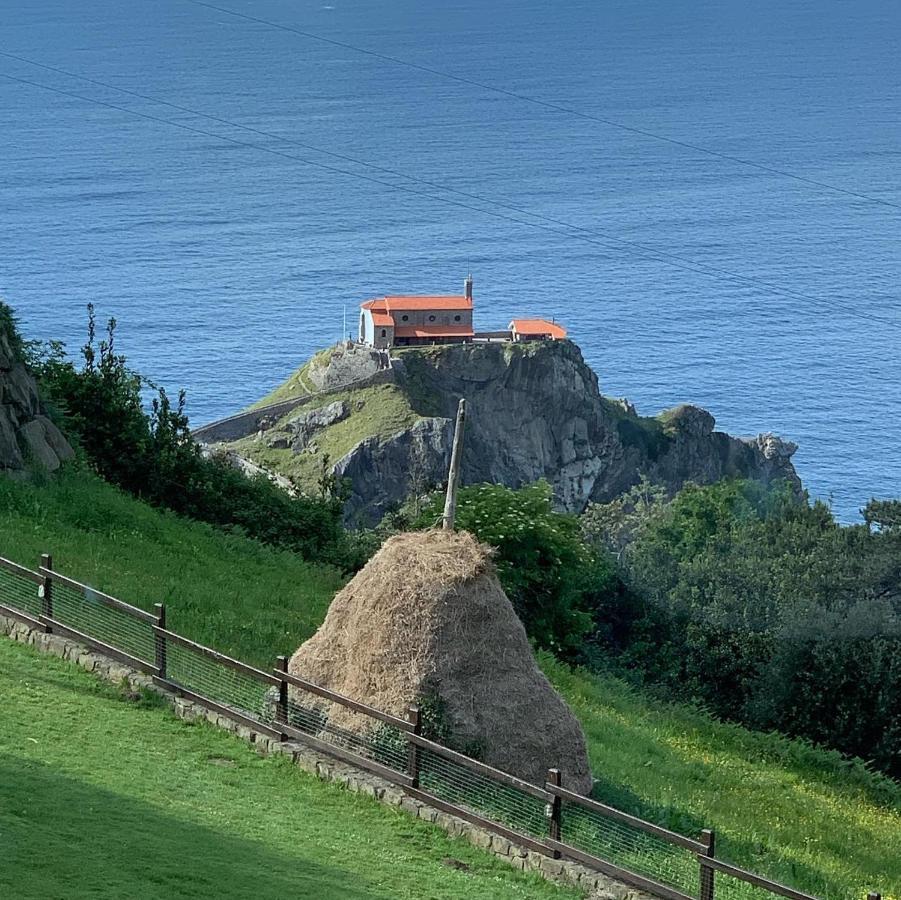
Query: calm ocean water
(227,265)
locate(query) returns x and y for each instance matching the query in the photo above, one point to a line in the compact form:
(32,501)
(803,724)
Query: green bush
(153,456)
(554,580)
(771,613)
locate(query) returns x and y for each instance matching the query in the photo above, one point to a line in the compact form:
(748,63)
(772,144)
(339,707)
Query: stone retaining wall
(593,884)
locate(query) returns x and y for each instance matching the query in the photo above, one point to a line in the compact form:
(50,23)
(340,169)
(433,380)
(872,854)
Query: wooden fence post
(453,477)
(281,707)
(47,589)
(555,809)
(708,838)
(414,717)
(160,644)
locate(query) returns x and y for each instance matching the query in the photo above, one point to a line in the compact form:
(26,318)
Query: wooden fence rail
(774,887)
(633,821)
(275,720)
(341,700)
(48,573)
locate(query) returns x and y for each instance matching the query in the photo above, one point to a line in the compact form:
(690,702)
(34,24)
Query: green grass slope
(105,797)
(779,807)
(240,596)
(376,411)
(825,824)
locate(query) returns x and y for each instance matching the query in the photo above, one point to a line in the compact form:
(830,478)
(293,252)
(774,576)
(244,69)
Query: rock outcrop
(534,411)
(383,472)
(345,365)
(537,412)
(27,437)
(304,425)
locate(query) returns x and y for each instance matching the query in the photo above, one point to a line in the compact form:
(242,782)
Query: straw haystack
(427,617)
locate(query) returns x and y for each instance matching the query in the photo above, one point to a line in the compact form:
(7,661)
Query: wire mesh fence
(728,888)
(368,734)
(629,848)
(460,785)
(83,610)
(225,685)
(375,741)
(18,590)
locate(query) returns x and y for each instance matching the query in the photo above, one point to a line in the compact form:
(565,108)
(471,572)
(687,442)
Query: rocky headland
(535,411)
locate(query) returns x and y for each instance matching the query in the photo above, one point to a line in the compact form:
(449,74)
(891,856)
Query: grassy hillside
(244,598)
(118,798)
(780,807)
(378,411)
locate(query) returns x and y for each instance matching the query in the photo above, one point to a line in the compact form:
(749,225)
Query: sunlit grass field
(107,795)
(780,807)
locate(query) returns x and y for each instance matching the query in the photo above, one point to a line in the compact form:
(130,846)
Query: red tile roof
(433,331)
(387,304)
(381,319)
(538,328)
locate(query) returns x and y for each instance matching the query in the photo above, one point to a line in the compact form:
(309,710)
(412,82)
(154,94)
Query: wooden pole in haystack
(453,476)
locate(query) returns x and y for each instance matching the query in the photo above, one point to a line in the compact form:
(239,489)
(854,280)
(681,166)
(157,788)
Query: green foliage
(154,457)
(9,330)
(646,434)
(883,515)
(552,578)
(771,613)
(617,524)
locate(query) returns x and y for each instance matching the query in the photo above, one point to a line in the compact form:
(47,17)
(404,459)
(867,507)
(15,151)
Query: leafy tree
(772,613)
(883,515)
(10,331)
(617,524)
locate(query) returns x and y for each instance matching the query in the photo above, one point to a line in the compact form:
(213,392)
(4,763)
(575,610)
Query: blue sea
(604,162)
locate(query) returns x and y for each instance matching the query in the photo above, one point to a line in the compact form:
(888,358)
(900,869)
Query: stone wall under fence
(594,884)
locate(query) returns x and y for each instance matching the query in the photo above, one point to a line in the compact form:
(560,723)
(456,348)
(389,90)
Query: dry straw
(427,617)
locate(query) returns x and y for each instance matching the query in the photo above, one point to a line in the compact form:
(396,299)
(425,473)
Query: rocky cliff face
(27,437)
(534,411)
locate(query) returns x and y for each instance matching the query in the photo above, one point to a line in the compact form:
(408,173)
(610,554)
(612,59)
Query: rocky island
(535,412)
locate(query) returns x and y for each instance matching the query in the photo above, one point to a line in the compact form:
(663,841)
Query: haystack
(428,618)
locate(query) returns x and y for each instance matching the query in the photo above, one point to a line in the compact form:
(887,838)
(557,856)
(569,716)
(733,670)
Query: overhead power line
(548,104)
(565,229)
(503,204)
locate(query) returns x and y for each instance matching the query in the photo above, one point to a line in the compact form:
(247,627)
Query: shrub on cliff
(153,456)
(9,328)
